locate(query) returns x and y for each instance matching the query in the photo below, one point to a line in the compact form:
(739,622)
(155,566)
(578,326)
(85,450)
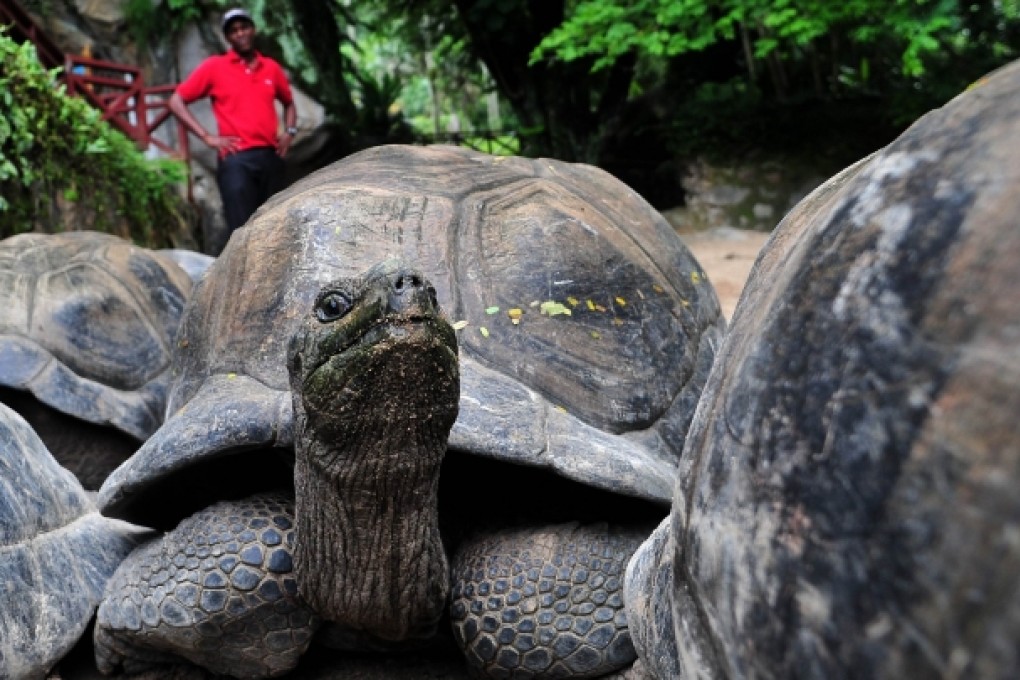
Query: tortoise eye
(331,307)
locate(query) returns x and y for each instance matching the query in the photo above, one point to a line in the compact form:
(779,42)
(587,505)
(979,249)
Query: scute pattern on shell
(56,553)
(488,232)
(86,325)
(848,505)
(603,395)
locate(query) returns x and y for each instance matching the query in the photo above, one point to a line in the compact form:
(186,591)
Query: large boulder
(848,502)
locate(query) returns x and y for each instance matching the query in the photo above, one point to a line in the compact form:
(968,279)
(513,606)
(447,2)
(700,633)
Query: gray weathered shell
(56,553)
(849,504)
(603,395)
(86,325)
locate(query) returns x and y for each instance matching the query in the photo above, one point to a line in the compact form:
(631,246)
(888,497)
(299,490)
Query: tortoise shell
(849,503)
(86,325)
(56,553)
(586,328)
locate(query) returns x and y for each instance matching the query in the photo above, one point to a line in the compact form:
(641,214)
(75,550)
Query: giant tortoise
(849,505)
(586,331)
(86,327)
(56,553)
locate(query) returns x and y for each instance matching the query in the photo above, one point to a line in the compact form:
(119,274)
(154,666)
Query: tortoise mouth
(377,331)
(417,328)
(344,373)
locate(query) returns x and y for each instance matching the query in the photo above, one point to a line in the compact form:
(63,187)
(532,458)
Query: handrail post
(142,111)
(68,75)
(182,139)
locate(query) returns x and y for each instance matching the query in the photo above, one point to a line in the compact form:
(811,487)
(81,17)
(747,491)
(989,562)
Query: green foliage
(150,20)
(55,148)
(638,83)
(379,117)
(609,29)
(496,145)
(906,56)
(394,63)
(425,47)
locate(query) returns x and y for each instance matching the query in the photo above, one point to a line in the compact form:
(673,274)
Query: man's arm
(180,109)
(290,115)
(289,122)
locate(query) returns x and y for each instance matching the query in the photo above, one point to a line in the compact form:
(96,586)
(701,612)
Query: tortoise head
(375,384)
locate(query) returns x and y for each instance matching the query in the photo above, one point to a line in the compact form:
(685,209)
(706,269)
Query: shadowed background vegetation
(637,87)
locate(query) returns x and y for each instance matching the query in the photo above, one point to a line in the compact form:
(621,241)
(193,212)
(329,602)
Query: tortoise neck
(368,552)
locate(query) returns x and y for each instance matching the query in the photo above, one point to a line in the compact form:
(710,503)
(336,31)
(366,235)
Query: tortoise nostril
(408,281)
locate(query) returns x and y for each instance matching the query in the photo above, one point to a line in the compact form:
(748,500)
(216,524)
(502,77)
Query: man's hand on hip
(223,145)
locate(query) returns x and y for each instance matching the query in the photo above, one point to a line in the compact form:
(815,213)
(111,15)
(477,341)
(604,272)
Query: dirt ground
(727,256)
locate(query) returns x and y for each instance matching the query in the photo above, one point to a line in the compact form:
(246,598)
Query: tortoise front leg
(544,602)
(217,591)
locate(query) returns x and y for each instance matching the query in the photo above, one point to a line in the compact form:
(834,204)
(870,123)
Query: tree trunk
(562,108)
(816,71)
(745,42)
(429,63)
(776,72)
(316,24)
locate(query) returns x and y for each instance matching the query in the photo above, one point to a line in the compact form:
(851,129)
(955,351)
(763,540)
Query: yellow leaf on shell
(553,308)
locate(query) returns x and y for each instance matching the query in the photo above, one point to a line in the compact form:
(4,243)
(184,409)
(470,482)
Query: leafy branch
(58,156)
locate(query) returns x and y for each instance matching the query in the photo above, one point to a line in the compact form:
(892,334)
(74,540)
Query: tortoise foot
(544,602)
(217,591)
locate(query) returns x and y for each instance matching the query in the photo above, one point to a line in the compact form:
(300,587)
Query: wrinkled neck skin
(368,553)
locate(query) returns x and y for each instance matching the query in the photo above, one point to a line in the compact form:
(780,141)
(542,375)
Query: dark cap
(236,13)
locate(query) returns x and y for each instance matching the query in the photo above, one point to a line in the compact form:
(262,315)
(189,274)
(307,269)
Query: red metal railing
(118,91)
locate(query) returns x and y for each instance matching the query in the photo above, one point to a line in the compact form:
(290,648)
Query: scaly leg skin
(217,591)
(544,603)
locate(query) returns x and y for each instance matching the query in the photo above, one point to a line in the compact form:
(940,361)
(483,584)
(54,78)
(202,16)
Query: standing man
(243,86)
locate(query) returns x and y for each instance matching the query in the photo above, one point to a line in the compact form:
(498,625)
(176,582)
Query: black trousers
(246,179)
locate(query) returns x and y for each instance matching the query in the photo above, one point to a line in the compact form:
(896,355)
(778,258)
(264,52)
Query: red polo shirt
(243,97)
